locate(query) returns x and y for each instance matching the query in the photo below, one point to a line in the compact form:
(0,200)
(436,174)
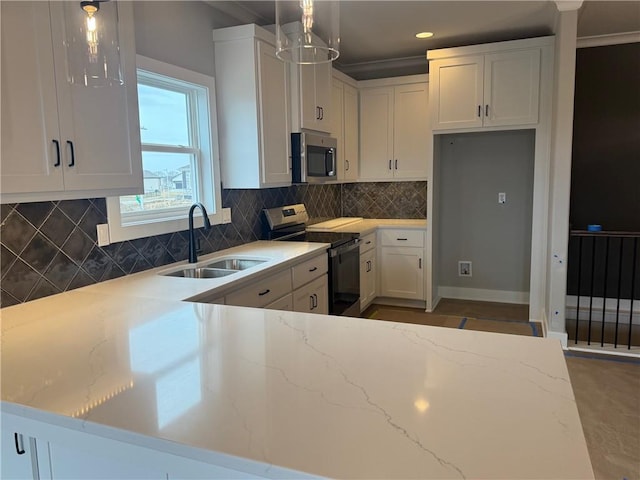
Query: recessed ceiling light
(424,35)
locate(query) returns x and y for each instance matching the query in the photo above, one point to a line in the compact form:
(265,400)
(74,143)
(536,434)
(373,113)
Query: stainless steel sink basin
(201,272)
(235,263)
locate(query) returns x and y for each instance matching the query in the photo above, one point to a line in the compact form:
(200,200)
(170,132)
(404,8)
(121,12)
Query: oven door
(344,285)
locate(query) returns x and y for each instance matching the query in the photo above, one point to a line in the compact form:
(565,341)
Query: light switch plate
(226,215)
(502,197)
(103,234)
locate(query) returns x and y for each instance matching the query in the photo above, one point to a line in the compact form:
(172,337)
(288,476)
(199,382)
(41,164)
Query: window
(179,154)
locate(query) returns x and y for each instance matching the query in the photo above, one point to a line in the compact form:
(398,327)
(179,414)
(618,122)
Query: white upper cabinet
(312,94)
(394,132)
(253,109)
(63,141)
(484,90)
(344,127)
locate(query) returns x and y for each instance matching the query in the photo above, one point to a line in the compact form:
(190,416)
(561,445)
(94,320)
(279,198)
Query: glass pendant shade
(93,49)
(307,31)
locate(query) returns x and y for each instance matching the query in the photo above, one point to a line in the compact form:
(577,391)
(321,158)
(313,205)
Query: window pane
(168,183)
(164,116)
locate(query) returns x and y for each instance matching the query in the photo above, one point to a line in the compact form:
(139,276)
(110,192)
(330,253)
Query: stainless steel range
(288,223)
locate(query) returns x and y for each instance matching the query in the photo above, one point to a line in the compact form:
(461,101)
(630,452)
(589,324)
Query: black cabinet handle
(315,301)
(73,153)
(367,243)
(396,163)
(57,164)
(311,302)
(402,239)
(313,269)
(419,263)
(264,293)
(479,110)
(19,450)
(347,164)
(486,110)
(321,113)
(389,164)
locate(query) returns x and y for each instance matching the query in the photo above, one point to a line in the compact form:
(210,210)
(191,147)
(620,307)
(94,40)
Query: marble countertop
(366,225)
(153,284)
(331,396)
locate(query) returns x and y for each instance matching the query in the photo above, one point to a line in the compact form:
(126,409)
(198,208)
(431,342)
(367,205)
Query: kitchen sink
(235,263)
(201,272)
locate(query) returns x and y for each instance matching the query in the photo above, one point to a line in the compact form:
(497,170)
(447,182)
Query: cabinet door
(401,273)
(274,117)
(30,162)
(456,92)
(100,129)
(313,297)
(18,455)
(351,147)
(367,278)
(376,133)
(309,109)
(511,88)
(337,123)
(411,131)
(323,83)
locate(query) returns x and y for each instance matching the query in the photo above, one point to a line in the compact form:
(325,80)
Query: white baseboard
(610,308)
(400,302)
(479,294)
(561,336)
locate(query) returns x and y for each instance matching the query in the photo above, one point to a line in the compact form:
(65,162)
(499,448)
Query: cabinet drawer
(284,303)
(307,271)
(368,242)
(402,238)
(263,292)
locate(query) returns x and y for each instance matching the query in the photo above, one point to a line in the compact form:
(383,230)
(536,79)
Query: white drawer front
(284,303)
(307,271)
(368,242)
(402,238)
(263,292)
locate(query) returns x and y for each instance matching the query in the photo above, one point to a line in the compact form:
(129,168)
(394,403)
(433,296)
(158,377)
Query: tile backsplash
(51,247)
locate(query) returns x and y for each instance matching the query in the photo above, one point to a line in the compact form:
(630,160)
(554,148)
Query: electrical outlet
(502,198)
(226,215)
(103,234)
(464,268)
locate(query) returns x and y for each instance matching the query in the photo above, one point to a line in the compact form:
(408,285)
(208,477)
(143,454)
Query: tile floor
(607,388)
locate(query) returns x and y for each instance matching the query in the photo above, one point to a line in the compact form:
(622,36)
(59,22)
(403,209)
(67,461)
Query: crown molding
(609,39)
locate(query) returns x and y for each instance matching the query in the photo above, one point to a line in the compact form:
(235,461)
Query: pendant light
(93,49)
(307,31)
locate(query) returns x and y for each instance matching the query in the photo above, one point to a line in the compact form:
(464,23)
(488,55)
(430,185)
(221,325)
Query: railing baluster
(579,284)
(633,287)
(593,267)
(604,293)
(615,344)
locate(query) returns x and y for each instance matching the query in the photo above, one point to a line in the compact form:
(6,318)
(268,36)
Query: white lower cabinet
(285,303)
(262,292)
(402,264)
(313,297)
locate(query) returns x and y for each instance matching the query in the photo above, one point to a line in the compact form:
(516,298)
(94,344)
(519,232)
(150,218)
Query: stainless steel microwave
(313,157)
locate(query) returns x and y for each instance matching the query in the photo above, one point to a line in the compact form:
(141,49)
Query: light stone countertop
(364,226)
(152,284)
(331,396)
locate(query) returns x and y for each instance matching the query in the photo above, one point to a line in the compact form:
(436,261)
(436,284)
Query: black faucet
(193,256)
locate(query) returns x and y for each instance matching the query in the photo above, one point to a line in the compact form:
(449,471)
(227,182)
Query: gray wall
(474,167)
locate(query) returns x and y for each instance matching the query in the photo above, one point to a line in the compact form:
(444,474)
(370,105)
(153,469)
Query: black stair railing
(606,265)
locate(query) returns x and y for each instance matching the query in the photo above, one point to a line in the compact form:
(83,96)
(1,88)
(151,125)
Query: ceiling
(377,36)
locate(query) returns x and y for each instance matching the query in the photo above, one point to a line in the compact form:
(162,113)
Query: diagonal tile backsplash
(51,247)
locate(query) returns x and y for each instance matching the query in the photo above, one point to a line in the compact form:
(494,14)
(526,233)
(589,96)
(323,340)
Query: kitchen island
(187,390)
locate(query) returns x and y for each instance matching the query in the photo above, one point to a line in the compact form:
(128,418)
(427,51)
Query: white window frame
(207,178)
